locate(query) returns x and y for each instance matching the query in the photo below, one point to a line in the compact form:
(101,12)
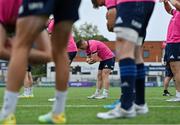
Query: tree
(87,31)
(39,70)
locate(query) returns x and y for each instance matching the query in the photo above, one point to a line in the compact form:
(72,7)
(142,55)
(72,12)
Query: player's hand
(90,61)
(165,1)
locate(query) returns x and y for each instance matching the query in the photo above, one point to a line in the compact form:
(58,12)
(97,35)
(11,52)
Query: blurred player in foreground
(132,17)
(71,49)
(33,16)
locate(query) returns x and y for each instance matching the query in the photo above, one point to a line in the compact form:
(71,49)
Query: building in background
(83,72)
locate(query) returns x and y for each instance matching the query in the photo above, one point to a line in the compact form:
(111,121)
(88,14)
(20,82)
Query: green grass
(161,112)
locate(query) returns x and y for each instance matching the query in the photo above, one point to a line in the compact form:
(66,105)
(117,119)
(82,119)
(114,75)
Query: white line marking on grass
(91,106)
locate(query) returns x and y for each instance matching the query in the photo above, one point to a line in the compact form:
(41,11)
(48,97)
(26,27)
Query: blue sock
(140,84)
(128,77)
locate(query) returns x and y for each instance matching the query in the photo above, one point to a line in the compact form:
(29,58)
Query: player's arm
(111,18)
(176,4)
(168,7)
(91,59)
(94,56)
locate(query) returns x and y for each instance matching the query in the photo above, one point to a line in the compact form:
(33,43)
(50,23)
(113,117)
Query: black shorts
(29,68)
(61,9)
(107,64)
(71,55)
(135,15)
(10,29)
(172,52)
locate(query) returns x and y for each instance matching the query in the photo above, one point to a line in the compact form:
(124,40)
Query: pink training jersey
(50,26)
(9,11)
(100,48)
(110,4)
(124,1)
(173,35)
(170,28)
(71,44)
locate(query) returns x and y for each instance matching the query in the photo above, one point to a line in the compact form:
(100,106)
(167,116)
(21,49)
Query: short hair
(79,43)
(95,4)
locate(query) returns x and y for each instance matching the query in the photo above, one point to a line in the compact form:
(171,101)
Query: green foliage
(87,31)
(39,70)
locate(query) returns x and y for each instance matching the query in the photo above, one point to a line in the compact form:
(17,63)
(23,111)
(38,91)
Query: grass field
(80,110)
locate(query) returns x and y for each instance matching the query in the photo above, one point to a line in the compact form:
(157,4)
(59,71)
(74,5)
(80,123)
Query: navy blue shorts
(71,55)
(107,64)
(61,9)
(168,71)
(135,15)
(172,52)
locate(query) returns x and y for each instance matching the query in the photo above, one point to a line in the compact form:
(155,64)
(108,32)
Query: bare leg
(126,53)
(175,67)
(140,78)
(60,38)
(4,52)
(167,79)
(40,55)
(106,82)
(28,83)
(42,51)
(28,28)
(99,83)
(21,49)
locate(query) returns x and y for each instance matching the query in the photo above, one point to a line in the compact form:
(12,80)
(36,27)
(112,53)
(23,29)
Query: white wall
(93,69)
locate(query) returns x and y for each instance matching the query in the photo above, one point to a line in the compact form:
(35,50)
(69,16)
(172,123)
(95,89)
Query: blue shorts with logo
(61,9)
(172,52)
(107,64)
(135,15)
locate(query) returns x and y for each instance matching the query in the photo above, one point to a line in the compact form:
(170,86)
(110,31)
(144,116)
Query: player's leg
(4,52)
(128,74)
(41,53)
(167,79)
(140,104)
(99,85)
(107,67)
(105,82)
(175,67)
(128,31)
(173,58)
(59,44)
(71,56)
(59,39)
(28,84)
(38,55)
(27,30)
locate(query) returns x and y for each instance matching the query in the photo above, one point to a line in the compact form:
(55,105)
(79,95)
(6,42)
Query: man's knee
(127,34)
(106,73)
